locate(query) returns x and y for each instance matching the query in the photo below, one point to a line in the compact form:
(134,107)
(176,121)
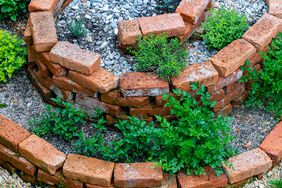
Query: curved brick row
(40,162)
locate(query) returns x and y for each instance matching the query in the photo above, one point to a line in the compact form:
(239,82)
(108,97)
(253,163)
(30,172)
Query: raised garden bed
(78,78)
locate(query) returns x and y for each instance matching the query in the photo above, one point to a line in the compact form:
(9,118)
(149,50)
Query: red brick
(27,178)
(48,178)
(43,31)
(239,100)
(247,164)
(17,161)
(27,35)
(128,31)
(69,85)
(225,110)
(94,103)
(101,80)
(275,8)
(142,84)
(192,10)
(43,70)
(257,58)
(11,134)
(137,175)
(114,97)
(222,82)
(171,24)
(218,95)
(233,87)
(69,183)
(203,73)
(74,58)
(7,166)
(64,94)
(149,110)
(42,154)
(263,31)
(88,170)
(202,181)
(233,56)
(169,181)
(272,143)
(98,186)
(42,5)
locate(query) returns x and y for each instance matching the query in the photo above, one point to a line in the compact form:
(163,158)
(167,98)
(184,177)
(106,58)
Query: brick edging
(57,68)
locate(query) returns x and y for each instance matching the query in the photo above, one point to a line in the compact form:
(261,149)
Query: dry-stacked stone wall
(59,68)
(63,69)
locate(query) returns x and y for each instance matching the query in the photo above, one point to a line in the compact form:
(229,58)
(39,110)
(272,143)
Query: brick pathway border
(63,69)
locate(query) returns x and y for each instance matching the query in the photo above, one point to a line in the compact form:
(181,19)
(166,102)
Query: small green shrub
(196,138)
(77,28)
(223,26)
(63,121)
(267,83)
(167,5)
(12,54)
(12,8)
(276,183)
(158,54)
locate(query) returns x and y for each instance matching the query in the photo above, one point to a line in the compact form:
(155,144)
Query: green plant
(77,28)
(158,54)
(12,8)
(196,138)
(223,26)
(63,121)
(167,5)
(276,183)
(12,54)
(266,84)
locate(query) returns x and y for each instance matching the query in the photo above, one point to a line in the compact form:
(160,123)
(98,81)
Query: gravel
(7,180)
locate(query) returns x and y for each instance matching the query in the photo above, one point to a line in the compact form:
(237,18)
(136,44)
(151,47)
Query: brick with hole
(43,31)
(263,31)
(203,73)
(233,56)
(138,84)
(128,31)
(192,10)
(74,58)
(171,24)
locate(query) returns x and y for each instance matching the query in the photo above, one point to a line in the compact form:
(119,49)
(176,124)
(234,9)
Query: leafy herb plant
(276,183)
(12,54)
(12,8)
(160,55)
(77,28)
(267,83)
(223,26)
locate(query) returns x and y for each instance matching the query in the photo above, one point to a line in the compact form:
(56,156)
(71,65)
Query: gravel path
(13,181)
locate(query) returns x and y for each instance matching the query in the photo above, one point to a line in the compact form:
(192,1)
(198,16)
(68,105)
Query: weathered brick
(114,97)
(218,95)
(11,134)
(192,10)
(246,165)
(202,181)
(171,24)
(169,181)
(43,31)
(233,87)
(17,161)
(67,84)
(42,154)
(230,58)
(48,178)
(64,94)
(149,110)
(27,178)
(137,175)
(203,73)
(256,57)
(98,186)
(275,8)
(101,80)
(43,70)
(7,166)
(74,58)
(222,82)
(88,170)
(27,35)
(225,110)
(263,31)
(240,99)
(94,103)
(142,84)
(272,143)
(128,31)
(42,5)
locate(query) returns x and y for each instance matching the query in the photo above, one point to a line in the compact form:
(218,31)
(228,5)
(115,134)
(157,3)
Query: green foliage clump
(12,8)
(77,28)
(160,55)
(63,121)
(267,83)
(223,26)
(276,183)
(12,54)
(167,5)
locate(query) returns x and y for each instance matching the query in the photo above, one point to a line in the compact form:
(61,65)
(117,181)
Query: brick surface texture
(128,32)
(42,5)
